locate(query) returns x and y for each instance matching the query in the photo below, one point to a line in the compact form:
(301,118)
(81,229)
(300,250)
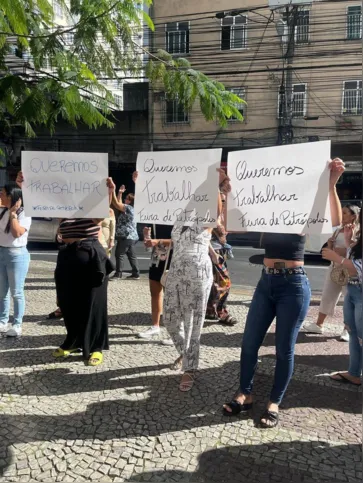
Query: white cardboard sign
(65,185)
(282,189)
(177,186)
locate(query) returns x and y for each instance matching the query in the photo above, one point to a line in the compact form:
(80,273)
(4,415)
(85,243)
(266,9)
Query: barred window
(177,37)
(354,23)
(175,113)
(234,32)
(352,98)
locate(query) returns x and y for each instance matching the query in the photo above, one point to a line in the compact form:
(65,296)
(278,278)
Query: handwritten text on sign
(65,185)
(178,186)
(280,190)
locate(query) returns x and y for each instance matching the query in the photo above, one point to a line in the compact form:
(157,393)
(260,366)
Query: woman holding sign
(81,277)
(282,292)
(353,311)
(187,291)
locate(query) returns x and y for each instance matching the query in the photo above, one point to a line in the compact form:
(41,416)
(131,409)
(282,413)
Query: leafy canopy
(67,64)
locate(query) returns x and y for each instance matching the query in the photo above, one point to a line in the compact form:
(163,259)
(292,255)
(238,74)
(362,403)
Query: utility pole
(285,133)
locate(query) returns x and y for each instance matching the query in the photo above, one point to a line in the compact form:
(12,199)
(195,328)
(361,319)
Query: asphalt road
(245,268)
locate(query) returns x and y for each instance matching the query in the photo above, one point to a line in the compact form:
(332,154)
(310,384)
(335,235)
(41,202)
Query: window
(298,107)
(354,23)
(175,112)
(57,9)
(352,97)
(177,37)
(298,100)
(240,92)
(118,100)
(68,38)
(234,32)
(302,27)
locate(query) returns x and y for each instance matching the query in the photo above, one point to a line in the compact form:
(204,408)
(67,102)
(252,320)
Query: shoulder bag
(166,271)
(339,274)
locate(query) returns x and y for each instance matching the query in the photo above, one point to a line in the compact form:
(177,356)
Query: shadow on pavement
(293,462)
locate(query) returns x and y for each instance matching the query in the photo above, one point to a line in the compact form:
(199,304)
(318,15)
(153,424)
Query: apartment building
(244,45)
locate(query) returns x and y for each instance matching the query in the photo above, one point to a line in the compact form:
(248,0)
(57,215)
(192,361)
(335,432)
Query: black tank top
(284,246)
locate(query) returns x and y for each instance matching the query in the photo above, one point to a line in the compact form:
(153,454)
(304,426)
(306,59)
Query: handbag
(166,271)
(340,276)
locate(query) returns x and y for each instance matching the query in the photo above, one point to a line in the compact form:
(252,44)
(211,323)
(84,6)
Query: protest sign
(65,185)
(177,186)
(282,189)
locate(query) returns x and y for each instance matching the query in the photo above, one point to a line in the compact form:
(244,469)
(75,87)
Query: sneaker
(3,328)
(15,331)
(133,277)
(312,328)
(149,333)
(168,342)
(116,276)
(344,336)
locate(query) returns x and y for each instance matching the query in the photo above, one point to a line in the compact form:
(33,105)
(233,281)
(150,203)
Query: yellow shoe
(95,359)
(61,353)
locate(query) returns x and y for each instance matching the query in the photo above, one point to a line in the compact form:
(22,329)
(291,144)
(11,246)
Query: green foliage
(182,82)
(63,79)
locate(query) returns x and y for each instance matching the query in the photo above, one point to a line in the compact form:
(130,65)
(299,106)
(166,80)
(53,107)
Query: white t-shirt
(6,239)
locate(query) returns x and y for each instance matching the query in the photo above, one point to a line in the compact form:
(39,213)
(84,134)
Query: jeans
(286,297)
(353,317)
(126,247)
(14,265)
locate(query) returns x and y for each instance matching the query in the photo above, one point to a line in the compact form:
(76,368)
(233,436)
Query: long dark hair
(15,194)
(356,251)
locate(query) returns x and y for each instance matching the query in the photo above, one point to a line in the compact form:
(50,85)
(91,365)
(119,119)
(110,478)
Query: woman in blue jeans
(282,292)
(353,312)
(14,258)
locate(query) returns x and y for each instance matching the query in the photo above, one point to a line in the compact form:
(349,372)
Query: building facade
(250,48)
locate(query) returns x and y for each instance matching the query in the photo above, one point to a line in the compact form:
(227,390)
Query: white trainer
(312,328)
(344,336)
(149,333)
(168,342)
(15,331)
(3,328)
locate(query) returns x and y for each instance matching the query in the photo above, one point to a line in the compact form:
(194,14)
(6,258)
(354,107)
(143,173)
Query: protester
(282,292)
(126,234)
(14,258)
(332,291)
(107,233)
(81,277)
(187,290)
(160,256)
(217,302)
(353,312)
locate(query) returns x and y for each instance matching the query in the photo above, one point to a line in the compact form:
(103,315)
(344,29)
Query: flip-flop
(95,359)
(343,379)
(62,354)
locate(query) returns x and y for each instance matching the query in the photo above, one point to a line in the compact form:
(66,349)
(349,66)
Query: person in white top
(331,291)
(14,258)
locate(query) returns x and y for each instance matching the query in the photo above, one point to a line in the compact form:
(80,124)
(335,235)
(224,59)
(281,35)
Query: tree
(102,46)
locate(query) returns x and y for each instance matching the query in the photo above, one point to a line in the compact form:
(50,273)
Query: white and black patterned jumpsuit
(187,290)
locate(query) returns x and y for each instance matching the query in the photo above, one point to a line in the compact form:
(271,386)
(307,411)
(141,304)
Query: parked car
(43,230)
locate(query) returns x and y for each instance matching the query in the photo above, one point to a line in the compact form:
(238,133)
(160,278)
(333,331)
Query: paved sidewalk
(126,421)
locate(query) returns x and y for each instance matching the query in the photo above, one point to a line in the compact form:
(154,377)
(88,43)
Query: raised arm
(336,170)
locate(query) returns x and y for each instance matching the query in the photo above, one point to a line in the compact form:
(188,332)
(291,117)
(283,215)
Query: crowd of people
(189,282)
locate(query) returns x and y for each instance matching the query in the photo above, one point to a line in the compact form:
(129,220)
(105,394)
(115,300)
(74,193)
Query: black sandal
(272,417)
(237,408)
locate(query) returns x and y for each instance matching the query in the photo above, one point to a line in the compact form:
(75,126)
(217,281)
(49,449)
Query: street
(244,268)
(126,420)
